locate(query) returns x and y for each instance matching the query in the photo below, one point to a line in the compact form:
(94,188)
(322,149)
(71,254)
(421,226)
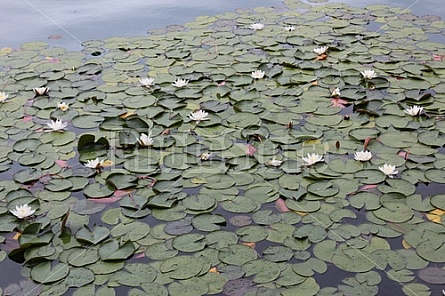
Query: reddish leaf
(52,60)
(337,102)
(222,83)
(117,195)
(54,37)
(10,243)
(62,163)
(107,199)
(403,154)
(27,118)
(122,193)
(140,255)
(438,57)
(366,187)
(281,205)
(250,150)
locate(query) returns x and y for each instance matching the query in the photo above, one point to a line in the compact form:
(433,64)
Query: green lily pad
(191,242)
(263,271)
(113,250)
(45,273)
(353,260)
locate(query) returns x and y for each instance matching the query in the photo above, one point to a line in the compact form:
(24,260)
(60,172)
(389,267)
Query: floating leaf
(112,250)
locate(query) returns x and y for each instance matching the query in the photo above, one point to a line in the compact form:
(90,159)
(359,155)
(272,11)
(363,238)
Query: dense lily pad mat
(230,201)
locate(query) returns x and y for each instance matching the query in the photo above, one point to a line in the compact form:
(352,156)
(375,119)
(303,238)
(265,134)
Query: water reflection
(24,21)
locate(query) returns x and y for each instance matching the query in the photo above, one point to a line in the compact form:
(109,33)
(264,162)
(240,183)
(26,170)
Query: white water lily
(199,115)
(147,81)
(40,91)
(57,125)
(289,28)
(256,26)
(258,74)
(180,82)
(362,155)
(146,140)
(94,163)
(336,93)
(369,74)
(388,170)
(22,211)
(414,110)
(63,106)
(312,158)
(320,50)
(275,162)
(205,156)
(3,96)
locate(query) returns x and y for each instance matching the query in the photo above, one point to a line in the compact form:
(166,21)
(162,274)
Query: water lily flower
(41,91)
(362,155)
(312,158)
(22,211)
(275,162)
(199,115)
(63,106)
(258,74)
(146,81)
(180,82)
(336,93)
(369,74)
(3,96)
(94,163)
(289,28)
(320,50)
(57,125)
(414,110)
(146,140)
(205,156)
(388,170)
(256,26)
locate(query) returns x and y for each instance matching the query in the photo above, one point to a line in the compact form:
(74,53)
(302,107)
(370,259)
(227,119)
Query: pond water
(67,24)
(77,21)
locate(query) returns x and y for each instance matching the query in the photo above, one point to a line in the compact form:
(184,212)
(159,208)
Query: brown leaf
(213,270)
(129,113)
(251,245)
(365,146)
(321,57)
(63,222)
(302,214)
